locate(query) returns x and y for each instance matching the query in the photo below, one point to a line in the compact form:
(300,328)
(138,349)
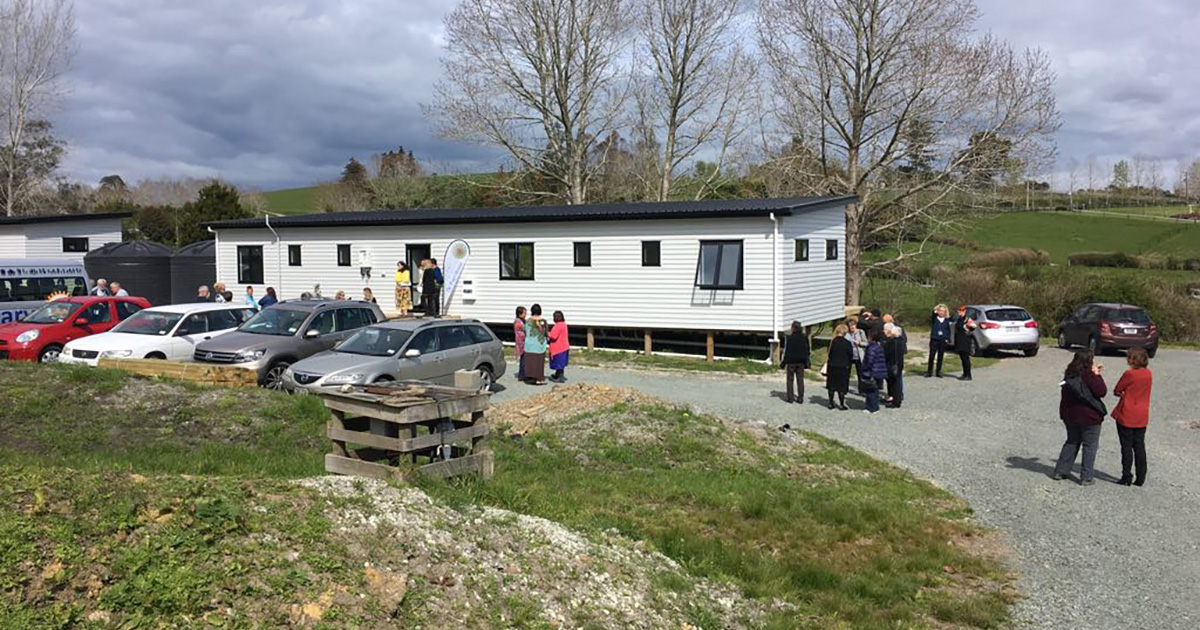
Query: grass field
(291,200)
(1062,234)
(147,503)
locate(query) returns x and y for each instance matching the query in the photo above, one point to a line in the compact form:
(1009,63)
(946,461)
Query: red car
(41,335)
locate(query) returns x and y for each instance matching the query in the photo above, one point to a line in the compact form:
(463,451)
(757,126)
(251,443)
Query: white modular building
(58,237)
(739,265)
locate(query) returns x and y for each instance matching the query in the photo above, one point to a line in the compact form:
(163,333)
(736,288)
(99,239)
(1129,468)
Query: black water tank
(142,267)
(192,266)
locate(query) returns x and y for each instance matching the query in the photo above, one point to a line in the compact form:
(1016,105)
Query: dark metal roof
(55,218)
(710,208)
(130,249)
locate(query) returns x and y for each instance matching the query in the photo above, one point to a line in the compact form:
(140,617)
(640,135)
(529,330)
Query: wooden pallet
(419,428)
(202,373)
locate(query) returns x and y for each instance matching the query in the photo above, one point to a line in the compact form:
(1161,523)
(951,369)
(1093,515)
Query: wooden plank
(366,438)
(180,370)
(591,338)
(455,467)
(710,347)
(409,415)
(438,439)
(648,348)
(358,468)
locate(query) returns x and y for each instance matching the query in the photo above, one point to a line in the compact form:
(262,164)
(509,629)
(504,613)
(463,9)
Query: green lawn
(1149,211)
(1062,234)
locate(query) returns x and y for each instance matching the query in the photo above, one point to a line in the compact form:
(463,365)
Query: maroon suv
(1104,326)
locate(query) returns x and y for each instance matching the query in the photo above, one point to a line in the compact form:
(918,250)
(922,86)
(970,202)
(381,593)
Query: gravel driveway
(1097,557)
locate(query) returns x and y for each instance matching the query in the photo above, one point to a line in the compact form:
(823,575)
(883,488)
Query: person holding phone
(963,326)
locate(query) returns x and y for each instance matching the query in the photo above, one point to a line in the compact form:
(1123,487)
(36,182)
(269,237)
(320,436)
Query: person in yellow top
(404,302)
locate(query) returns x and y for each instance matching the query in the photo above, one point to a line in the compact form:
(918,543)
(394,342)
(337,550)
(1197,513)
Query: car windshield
(53,313)
(375,342)
(149,323)
(283,322)
(1008,315)
(1132,315)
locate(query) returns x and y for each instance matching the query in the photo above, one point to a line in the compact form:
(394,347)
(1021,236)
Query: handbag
(824,369)
(1080,390)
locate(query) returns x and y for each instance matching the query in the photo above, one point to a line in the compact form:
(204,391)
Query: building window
(651,253)
(516,261)
(294,259)
(583,254)
(801,249)
(343,255)
(831,249)
(250,264)
(720,265)
(75,244)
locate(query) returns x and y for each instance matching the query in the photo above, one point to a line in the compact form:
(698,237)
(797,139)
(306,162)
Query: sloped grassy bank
(135,503)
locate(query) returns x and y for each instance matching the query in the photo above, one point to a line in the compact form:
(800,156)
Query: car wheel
(273,380)
(1032,352)
(1062,340)
(1150,352)
(974,349)
(49,354)
(383,379)
(486,378)
(157,355)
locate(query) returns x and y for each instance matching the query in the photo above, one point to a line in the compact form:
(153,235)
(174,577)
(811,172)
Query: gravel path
(1098,558)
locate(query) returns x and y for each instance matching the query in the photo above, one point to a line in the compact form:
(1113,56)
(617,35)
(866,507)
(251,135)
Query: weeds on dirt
(846,538)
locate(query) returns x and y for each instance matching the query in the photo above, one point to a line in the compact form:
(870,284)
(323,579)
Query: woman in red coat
(1133,414)
(1082,412)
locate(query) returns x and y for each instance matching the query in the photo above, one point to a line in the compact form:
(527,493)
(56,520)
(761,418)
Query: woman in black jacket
(796,357)
(837,367)
(963,326)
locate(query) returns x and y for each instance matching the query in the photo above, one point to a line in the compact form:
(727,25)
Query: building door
(413,255)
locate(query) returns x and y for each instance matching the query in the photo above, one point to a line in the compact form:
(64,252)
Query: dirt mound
(462,561)
(560,403)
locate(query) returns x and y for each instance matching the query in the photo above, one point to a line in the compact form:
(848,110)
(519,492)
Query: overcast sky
(277,93)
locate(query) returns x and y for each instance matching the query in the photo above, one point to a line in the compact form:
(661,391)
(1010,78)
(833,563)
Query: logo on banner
(455,261)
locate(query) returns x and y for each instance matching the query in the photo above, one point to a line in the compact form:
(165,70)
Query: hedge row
(1128,261)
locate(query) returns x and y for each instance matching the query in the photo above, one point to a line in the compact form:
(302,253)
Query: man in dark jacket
(895,347)
(797,357)
(963,326)
(429,290)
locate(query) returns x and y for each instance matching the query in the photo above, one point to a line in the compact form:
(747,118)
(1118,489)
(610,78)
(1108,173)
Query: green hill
(291,200)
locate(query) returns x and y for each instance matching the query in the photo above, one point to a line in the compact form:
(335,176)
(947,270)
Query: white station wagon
(162,332)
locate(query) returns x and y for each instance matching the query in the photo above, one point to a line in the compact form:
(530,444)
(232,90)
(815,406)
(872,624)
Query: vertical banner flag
(452,268)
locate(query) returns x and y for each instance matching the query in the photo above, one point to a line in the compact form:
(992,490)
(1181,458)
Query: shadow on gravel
(1034,464)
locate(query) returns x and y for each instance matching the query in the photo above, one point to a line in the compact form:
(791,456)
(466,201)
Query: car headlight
(28,335)
(246,357)
(342,379)
(117,353)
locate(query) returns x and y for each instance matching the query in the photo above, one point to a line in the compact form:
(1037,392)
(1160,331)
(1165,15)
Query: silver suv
(428,350)
(285,333)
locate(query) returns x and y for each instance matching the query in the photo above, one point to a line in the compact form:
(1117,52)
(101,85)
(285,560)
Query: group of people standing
(871,345)
(432,280)
(953,333)
(535,337)
(104,289)
(1082,410)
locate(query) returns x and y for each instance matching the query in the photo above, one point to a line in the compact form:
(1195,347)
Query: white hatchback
(162,332)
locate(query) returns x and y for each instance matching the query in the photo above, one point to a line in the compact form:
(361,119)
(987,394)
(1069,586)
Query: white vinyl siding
(12,241)
(813,290)
(615,291)
(45,240)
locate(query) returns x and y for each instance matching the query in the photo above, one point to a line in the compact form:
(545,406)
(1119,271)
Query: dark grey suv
(285,333)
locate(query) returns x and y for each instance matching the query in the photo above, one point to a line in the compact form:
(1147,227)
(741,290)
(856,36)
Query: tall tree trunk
(853,254)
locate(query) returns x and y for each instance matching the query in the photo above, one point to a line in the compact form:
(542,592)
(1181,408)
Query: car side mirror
(412,353)
(81,321)
(311,334)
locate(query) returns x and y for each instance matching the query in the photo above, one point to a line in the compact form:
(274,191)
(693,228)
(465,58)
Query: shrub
(1011,257)
(1104,259)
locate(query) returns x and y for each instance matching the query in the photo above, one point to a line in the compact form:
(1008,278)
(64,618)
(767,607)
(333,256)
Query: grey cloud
(281,92)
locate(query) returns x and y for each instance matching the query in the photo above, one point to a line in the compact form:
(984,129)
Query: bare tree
(37,47)
(697,85)
(854,76)
(540,79)
(165,191)
(1093,171)
(1072,179)
(1154,176)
